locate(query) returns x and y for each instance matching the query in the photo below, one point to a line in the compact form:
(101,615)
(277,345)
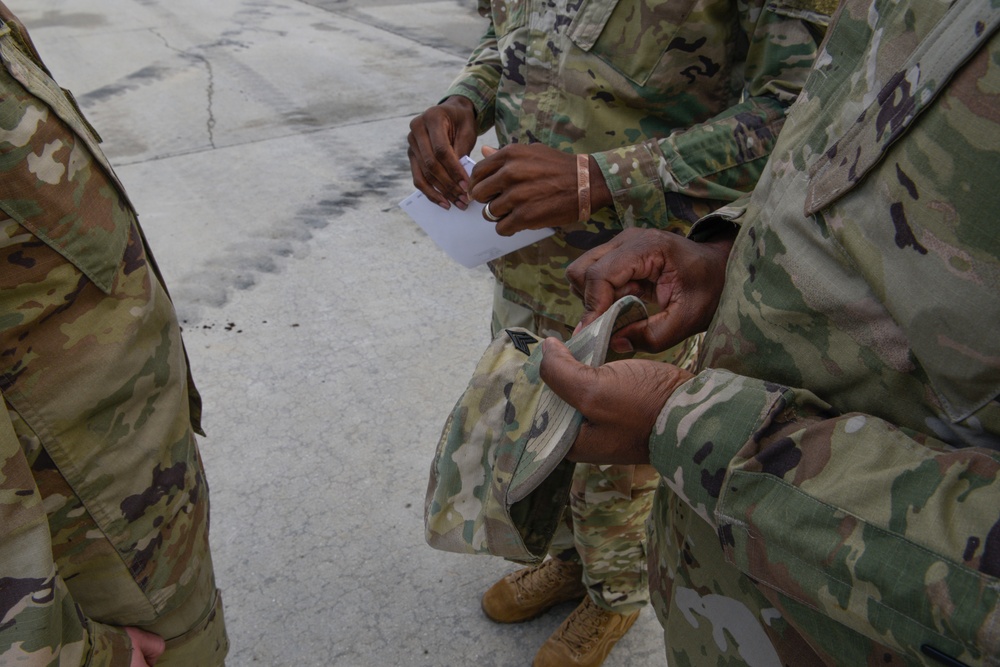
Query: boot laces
(546,576)
(584,625)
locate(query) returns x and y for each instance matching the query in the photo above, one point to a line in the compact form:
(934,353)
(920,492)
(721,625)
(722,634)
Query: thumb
(146,646)
(489,150)
(563,373)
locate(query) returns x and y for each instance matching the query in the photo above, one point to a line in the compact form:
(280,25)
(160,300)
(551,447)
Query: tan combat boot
(527,593)
(585,638)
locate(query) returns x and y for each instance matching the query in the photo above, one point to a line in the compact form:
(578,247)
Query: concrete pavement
(263,143)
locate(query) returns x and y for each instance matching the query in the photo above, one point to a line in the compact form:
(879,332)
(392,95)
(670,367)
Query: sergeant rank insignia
(521,341)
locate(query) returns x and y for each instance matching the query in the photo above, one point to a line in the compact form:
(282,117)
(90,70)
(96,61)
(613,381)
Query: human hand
(531,186)
(146,647)
(620,402)
(683,277)
(438,138)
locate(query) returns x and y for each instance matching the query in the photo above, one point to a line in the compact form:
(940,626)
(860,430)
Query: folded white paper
(466,236)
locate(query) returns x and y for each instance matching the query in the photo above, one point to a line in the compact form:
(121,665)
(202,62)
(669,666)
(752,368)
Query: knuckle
(427,164)
(440,152)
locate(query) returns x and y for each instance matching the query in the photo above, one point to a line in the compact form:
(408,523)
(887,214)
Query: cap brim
(555,424)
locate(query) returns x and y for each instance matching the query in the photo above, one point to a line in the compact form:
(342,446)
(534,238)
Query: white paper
(467,237)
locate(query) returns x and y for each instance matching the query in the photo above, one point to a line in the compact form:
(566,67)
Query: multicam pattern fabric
(679,101)
(843,442)
(609,506)
(654,90)
(499,481)
(103,498)
(605,529)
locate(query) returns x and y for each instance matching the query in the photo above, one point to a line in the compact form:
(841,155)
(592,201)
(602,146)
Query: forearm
(716,161)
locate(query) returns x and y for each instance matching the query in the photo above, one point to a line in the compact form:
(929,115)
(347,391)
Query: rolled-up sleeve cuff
(633,178)
(702,428)
(723,218)
(483,97)
(109,646)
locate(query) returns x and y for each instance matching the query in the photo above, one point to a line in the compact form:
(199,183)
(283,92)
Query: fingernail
(622,345)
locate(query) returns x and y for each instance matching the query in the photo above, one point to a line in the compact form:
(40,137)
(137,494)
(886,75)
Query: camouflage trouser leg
(712,615)
(194,627)
(609,504)
(205,643)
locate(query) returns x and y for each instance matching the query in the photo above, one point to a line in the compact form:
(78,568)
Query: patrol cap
(499,481)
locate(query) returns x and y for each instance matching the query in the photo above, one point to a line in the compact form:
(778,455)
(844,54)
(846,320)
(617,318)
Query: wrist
(460,102)
(721,242)
(600,194)
(583,187)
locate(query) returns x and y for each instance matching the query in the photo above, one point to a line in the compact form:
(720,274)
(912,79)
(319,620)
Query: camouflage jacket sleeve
(909,543)
(39,622)
(723,157)
(480,78)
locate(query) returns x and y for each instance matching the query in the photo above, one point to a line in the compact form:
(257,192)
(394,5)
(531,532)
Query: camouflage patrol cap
(499,480)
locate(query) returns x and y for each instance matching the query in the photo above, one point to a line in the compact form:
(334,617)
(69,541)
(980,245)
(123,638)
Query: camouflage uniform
(679,102)
(103,497)
(842,443)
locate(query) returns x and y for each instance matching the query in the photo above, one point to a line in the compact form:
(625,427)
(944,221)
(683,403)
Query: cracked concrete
(264,145)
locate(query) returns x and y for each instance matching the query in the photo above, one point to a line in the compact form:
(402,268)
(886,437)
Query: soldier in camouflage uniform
(103,497)
(831,476)
(677,103)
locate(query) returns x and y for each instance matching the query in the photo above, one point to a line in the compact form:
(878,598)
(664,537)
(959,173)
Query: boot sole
(540,613)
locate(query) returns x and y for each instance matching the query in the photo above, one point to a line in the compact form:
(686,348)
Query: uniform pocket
(629,35)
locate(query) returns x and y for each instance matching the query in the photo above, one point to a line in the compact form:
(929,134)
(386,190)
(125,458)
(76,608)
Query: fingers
(576,273)
(511,223)
(437,139)
(437,171)
(422,184)
(666,329)
(605,274)
(446,153)
(647,264)
(619,402)
(529,186)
